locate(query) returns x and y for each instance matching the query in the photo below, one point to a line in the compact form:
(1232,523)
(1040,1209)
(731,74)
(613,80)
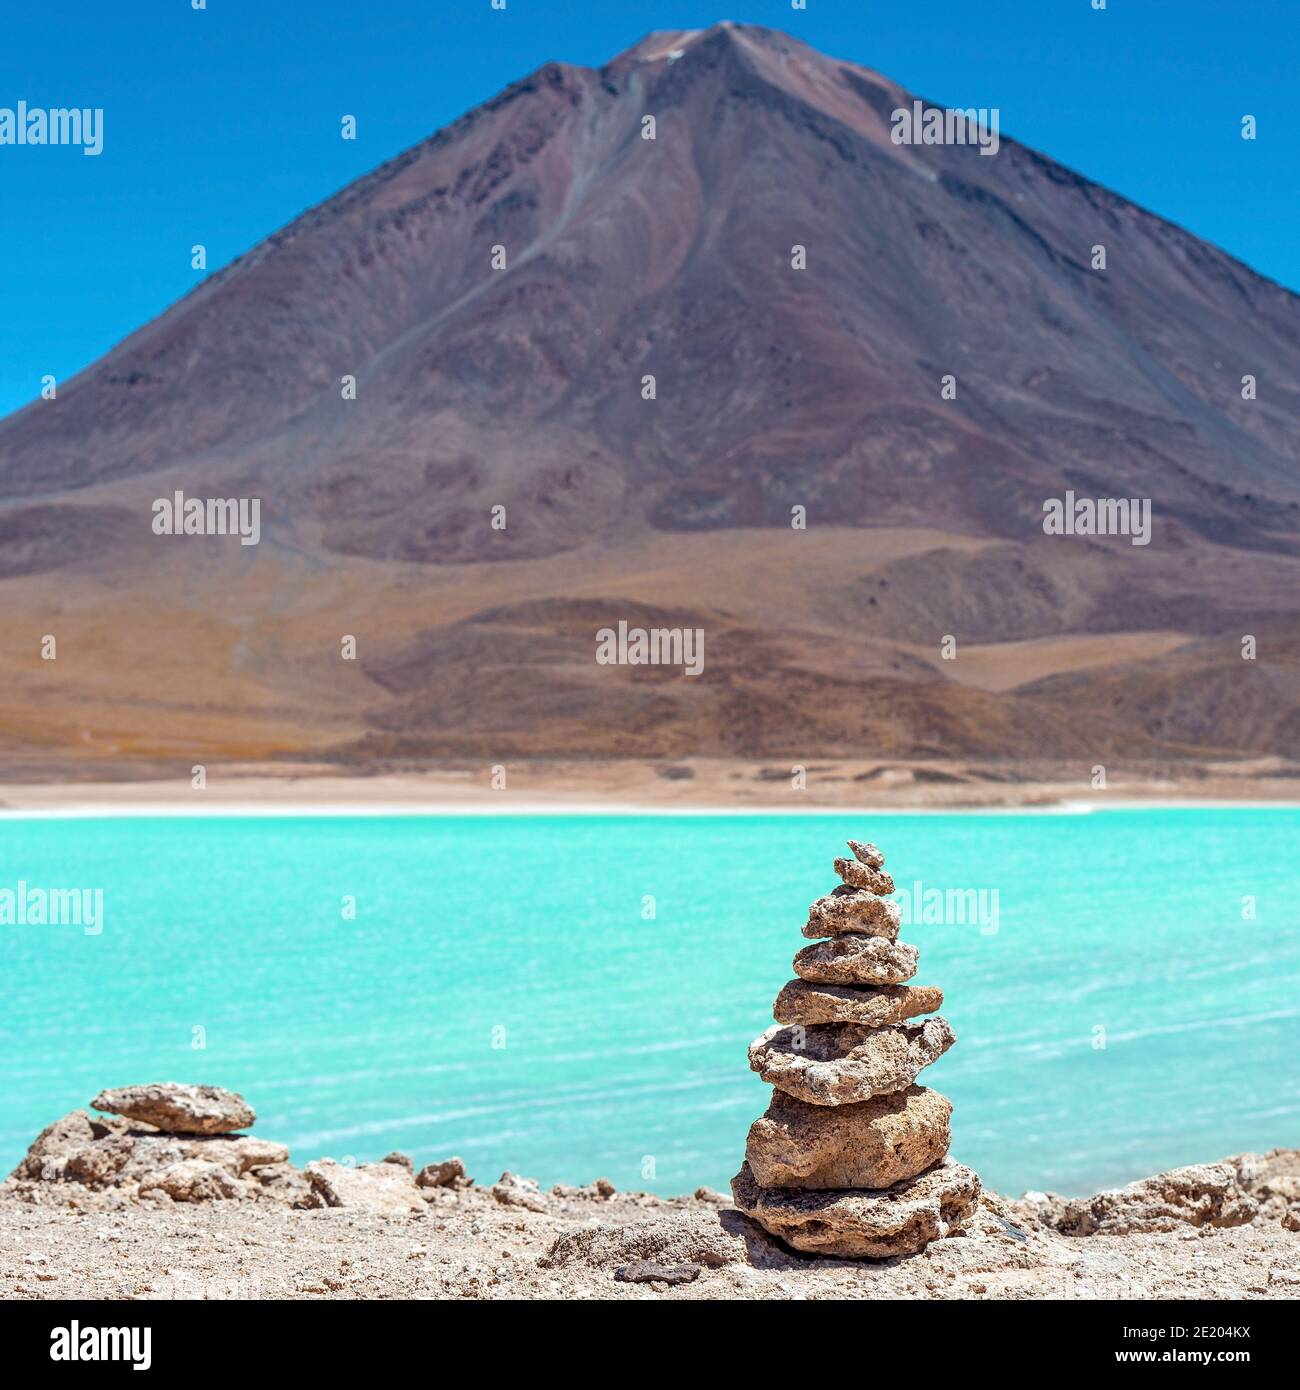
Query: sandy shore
(688,786)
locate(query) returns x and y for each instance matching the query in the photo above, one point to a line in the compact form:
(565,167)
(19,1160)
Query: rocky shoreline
(114,1205)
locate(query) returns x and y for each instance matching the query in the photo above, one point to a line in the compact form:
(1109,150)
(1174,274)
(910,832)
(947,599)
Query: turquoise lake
(501,993)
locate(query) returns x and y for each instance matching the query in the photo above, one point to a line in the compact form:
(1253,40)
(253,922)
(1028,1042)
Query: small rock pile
(162,1141)
(851,1158)
(172,1142)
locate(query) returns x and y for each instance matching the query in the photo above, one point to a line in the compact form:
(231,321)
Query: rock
(51,1147)
(863,1225)
(869,880)
(856,960)
(98,1164)
(867,854)
(605,1189)
(1272,1179)
(649,1272)
(449,1173)
(707,1194)
(840,1063)
(1205,1194)
(802,1002)
(281,1182)
(194,1180)
(179,1109)
(237,1153)
(512,1191)
(696,1236)
(849,910)
(384,1188)
(1011,1229)
(873,1143)
(403,1160)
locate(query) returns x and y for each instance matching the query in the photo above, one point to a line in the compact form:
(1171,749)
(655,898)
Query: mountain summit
(654,354)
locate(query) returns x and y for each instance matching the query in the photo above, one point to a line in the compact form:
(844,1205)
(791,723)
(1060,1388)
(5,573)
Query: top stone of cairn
(867,854)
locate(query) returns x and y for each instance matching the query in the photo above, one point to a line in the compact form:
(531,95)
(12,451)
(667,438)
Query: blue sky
(222,125)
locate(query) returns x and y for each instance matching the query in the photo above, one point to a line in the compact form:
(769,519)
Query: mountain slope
(776,388)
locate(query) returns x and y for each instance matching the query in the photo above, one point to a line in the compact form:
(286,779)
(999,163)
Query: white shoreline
(248,810)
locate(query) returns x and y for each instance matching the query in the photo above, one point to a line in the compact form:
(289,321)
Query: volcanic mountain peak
(624,258)
(653,342)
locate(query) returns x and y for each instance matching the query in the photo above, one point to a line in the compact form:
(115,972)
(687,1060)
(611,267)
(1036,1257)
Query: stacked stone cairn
(851,1158)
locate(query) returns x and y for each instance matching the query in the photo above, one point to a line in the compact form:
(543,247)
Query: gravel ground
(468,1244)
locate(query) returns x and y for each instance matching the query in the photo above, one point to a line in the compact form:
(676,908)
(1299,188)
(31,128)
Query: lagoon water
(503,994)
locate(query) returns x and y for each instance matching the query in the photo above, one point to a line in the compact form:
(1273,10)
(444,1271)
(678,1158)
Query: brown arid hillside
(776,389)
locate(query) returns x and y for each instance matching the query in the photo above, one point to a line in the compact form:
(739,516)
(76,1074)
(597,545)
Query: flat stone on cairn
(851,1158)
(900,1220)
(874,1143)
(840,1063)
(856,960)
(851,910)
(802,1002)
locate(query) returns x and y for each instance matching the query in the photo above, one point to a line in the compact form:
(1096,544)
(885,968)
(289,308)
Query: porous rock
(49,1151)
(856,960)
(281,1182)
(868,854)
(384,1188)
(840,1063)
(869,880)
(1273,1180)
(1203,1194)
(97,1164)
(151,1152)
(194,1180)
(850,910)
(179,1109)
(513,1191)
(676,1237)
(236,1152)
(803,1002)
(874,1143)
(899,1220)
(449,1173)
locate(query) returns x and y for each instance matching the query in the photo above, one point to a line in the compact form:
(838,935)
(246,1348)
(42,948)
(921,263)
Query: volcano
(687,341)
